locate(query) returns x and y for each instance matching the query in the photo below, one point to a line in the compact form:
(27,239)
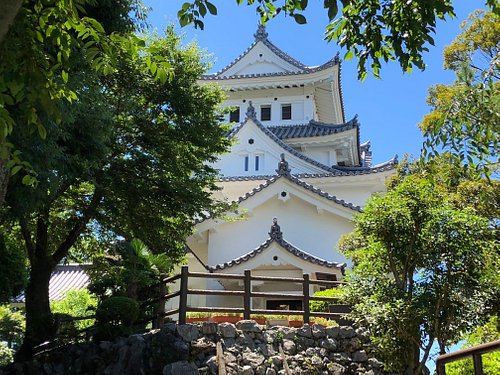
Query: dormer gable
(262,57)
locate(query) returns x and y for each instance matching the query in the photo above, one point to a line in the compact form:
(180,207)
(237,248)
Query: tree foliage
(372,30)
(425,265)
(465,115)
(13,273)
(37,58)
(130,158)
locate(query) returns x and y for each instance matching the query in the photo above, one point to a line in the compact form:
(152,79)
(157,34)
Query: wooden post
(478,364)
(440,368)
(183,294)
(305,292)
(247,298)
(160,309)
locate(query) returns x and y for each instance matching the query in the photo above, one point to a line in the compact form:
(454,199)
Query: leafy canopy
(373,31)
(425,264)
(465,115)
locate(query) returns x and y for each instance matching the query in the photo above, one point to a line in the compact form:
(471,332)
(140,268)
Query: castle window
(286,111)
(257,162)
(234,116)
(265,113)
(246,163)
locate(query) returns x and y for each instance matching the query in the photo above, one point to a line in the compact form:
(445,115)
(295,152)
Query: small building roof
(276,236)
(312,129)
(64,278)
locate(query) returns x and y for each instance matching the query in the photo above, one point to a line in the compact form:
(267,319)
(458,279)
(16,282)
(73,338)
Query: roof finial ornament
(251,111)
(283,169)
(336,59)
(260,34)
(275,232)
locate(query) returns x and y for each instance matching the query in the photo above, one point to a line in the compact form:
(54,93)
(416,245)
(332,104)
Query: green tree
(129,159)
(425,267)
(38,40)
(75,304)
(465,116)
(13,273)
(11,326)
(372,30)
(128,269)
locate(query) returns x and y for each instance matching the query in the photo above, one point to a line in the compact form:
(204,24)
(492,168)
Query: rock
(332,332)
(247,370)
(227,330)
(346,332)
(270,371)
(335,369)
(253,359)
(318,331)
(248,326)
(328,343)
(188,332)
(305,331)
(359,356)
(289,347)
(351,345)
(375,363)
(208,328)
(180,368)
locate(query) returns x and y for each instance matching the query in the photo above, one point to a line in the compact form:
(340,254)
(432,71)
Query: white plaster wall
(301,224)
(302,110)
(233,163)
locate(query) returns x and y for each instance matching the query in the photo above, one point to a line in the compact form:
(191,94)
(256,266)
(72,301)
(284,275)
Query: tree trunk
(10,8)
(40,325)
(4,180)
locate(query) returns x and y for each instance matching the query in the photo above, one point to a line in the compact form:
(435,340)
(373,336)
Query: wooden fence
(475,352)
(246,294)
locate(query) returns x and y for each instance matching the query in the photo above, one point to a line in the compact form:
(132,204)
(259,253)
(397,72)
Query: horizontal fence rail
(475,352)
(246,294)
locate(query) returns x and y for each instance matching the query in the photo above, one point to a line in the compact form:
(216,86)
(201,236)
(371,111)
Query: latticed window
(234,116)
(265,113)
(286,111)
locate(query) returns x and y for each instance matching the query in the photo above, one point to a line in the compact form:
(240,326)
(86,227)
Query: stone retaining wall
(246,348)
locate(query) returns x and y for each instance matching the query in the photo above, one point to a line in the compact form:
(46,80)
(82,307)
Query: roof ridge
(280,143)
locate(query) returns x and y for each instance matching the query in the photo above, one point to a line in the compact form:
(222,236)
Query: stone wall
(245,348)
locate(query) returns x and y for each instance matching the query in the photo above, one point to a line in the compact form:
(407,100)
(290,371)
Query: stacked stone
(247,349)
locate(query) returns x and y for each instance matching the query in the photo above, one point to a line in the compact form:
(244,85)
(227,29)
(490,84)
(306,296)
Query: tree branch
(79,227)
(27,239)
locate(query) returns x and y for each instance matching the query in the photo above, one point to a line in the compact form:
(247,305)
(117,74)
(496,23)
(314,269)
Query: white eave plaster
(271,189)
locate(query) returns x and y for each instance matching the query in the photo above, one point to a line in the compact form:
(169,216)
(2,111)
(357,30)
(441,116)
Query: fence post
(440,368)
(183,294)
(478,364)
(305,292)
(160,309)
(248,292)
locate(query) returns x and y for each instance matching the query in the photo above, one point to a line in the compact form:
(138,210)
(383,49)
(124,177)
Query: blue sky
(388,109)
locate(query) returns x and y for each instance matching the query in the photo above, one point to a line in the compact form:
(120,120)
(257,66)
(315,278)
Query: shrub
(323,306)
(6,354)
(118,310)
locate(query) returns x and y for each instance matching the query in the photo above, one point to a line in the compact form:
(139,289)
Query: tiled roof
(282,144)
(261,36)
(285,172)
(275,235)
(312,129)
(63,279)
(217,77)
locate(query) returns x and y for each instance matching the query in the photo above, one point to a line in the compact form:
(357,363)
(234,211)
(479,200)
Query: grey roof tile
(312,129)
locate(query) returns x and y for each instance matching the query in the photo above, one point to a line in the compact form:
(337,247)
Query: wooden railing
(475,352)
(246,294)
